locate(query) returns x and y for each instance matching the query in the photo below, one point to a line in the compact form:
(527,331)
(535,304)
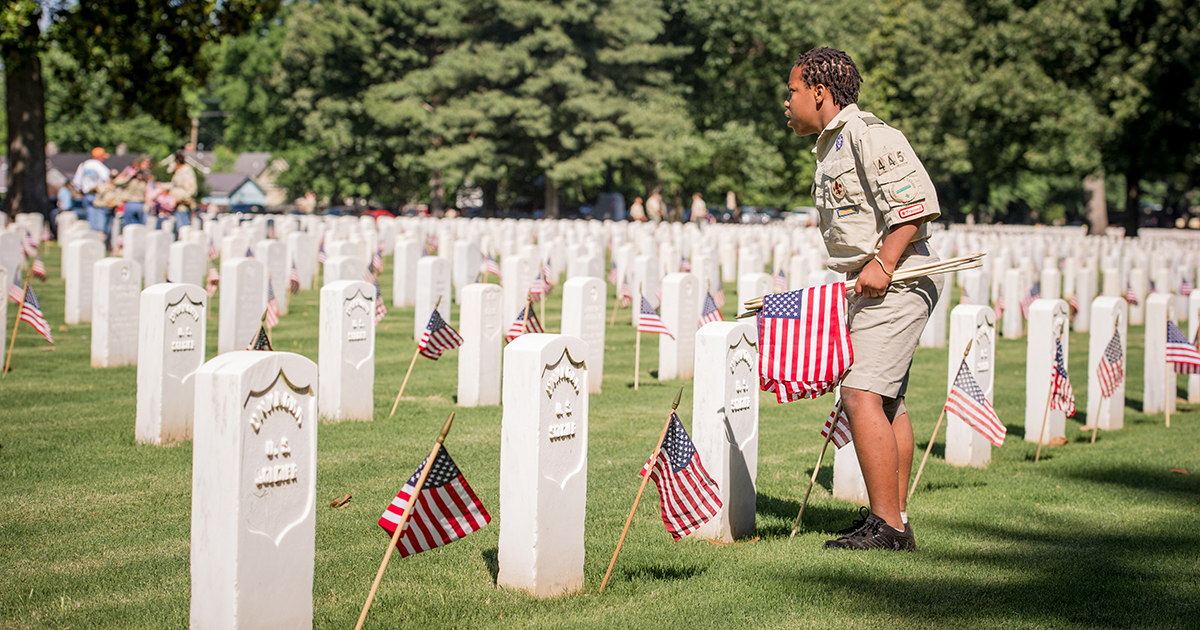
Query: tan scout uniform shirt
(868,179)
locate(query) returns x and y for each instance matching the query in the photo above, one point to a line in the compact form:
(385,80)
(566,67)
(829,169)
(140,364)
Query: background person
(88,178)
(182,191)
(699,209)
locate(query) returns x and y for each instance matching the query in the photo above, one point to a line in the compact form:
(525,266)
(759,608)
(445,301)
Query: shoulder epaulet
(872,121)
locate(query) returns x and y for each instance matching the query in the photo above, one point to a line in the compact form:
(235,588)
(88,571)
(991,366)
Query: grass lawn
(94,528)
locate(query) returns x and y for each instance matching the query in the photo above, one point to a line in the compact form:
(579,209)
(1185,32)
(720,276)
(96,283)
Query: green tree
(150,53)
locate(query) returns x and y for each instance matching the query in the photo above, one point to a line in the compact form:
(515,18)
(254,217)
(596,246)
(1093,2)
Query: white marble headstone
(975,324)
(116,286)
(243,300)
(1048,319)
(585,302)
(346,351)
(481,325)
(1158,376)
(81,257)
(680,314)
(433,287)
(170,350)
(404,272)
(1109,314)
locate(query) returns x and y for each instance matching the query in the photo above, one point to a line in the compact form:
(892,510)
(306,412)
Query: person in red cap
(88,177)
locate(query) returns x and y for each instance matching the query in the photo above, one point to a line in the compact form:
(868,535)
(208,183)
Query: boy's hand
(872,282)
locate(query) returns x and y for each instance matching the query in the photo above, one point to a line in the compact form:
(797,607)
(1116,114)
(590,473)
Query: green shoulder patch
(871,121)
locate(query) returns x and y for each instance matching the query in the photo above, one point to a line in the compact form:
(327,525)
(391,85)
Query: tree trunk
(551,199)
(675,214)
(491,193)
(437,193)
(1094,202)
(25,104)
(1133,213)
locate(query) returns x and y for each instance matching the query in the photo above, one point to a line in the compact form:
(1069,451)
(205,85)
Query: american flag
(841,428)
(519,328)
(1000,305)
(491,266)
(547,277)
(1073,303)
(212,251)
(38,269)
(16,292)
(625,292)
(1185,286)
(46,233)
(438,337)
(249,252)
(1032,294)
(377,260)
(650,322)
(781,283)
(965,298)
(1153,287)
(1181,352)
(685,265)
(272,305)
(30,242)
(431,244)
(32,313)
(446,509)
(689,496)
(261,340)
(719,296)
(967,401)
(294,279)
(380,307)
(1130,295)
(537,289)
(1061,396)
(711,312)
(321,255)
(805,344)
(214,279)
(612,273)
(1112,366)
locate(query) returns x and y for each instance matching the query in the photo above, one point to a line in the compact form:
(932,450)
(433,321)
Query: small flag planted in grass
(445,509)
(214,280)
(38,269)
(31,313)
(689,496)
(967,401)
(519,327)
(711,312)
(1027,299)
(650,322)
(438,337)
(272,318)
(1112,366)
(1181,352)
(1061,395)
(841,429)
(294,279)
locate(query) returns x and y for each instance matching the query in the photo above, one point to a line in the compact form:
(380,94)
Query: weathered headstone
(243,302)
(1048,321)
(681,315)
(974,324)
(116,286)
(482,326)
(170,350)
(725,423)
(543,465)
(1108,314)
(433,287)
(585,301)
(81,258)
(254,472)
(1158,376)
(346,351)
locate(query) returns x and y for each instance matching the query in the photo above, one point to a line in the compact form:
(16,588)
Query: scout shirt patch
(903,191)
(890,161)
(911,211)
(837,144)
(846,211)
(839,189)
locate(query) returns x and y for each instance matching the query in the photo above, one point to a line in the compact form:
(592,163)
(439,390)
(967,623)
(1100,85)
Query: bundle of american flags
(1181,352)
(781,283)
(272,318)
(31,313)
(294,279)
(650,322)
(1061,395)
(1028,298)
(968,402)
(1130,295)
(804,343)
(710,312)
(445,510)
(519,326)
(380,307)
(1111,370)
(840,426)
(688,494)
(438,337)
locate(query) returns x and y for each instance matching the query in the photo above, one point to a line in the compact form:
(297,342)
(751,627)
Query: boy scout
(874,199)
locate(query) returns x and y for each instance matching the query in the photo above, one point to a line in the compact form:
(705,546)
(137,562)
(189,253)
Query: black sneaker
(910,537)
(875,533)
(863,513)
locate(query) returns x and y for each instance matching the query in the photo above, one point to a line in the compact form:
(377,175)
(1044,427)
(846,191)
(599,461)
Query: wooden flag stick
(410,367)
(937,427)
(1045,414)
(837,411)
(17,322)
(638,498)
(528,312)
(412,500)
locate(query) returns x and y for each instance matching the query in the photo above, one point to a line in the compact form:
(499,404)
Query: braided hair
(835,70)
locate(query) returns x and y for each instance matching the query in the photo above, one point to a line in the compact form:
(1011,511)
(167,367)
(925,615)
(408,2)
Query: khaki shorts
(885,330)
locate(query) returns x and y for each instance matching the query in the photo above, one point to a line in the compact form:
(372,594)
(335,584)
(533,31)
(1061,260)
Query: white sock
(904,517)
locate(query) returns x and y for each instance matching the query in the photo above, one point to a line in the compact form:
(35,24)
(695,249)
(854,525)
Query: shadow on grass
(1069,575)
(817,518)
(1162,481)
(491,557)
(661,573)
(1135,405)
